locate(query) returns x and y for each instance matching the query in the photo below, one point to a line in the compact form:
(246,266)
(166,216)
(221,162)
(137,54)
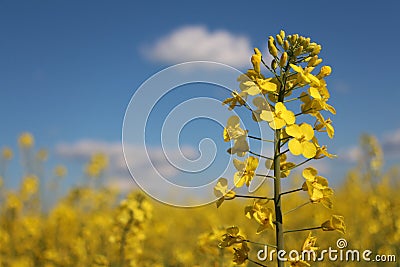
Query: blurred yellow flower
(60,171)
(301,144)
(279,117)
(42,155)
(7,153)
(245,170)
(30,185)
(335,223)
(26,140)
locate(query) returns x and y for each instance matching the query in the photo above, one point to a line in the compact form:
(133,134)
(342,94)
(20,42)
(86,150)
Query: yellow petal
(238,179)
(296,68)
(277,123)
(314,93)
(307,131)
(295,147)
(266,115)
(294,130)
(309,150)
(279,107)
(239,165)
(288,116)
(309,173)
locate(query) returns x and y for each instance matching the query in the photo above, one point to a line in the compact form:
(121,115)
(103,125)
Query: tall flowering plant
(295,76)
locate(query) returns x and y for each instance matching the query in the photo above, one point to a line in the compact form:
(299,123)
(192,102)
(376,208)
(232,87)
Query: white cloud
(118,172)
(351,154)
(391,143)
(198,43)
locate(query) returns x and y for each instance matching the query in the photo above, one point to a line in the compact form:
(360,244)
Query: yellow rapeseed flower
(304,76)
(279,117)
(221,191)
(301,144)
(233,131)
(7,153)
(237,98)
(261,214)
(336,222)
(241,254)
(26,140)
(60,171)
(231,237)
(245,170)
(317,187)
(309,243)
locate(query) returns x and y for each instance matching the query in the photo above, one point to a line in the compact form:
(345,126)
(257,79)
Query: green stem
(257,263)
(261,156)
(258,138)
(301,163)
(303,229)
(257,197)
(266,176)
(298,207)
(291,191)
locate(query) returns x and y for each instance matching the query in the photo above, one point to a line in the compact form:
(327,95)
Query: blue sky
(69,68)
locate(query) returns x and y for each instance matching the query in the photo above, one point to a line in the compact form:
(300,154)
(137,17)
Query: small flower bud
(286,45)
(279,39)
(274,64)
(325,71)
(316,50)
(298,51)
(312,61)
(283,59)
(282,34)
(272,48)
(257,51)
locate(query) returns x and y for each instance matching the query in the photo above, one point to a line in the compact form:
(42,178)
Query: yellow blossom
(245,170)
(309,243)
(237,98)
(267,85)
(232,131)
(261,214)
(60,171)
(30,185)
(285,166)
(241,254)
(336,222)
(327,124)
(26,140)
(42,155)
(304,76)
(7,153)
(279,117)
(231,237)
(221,191)
(325,71)
(301,144)
(317,187)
